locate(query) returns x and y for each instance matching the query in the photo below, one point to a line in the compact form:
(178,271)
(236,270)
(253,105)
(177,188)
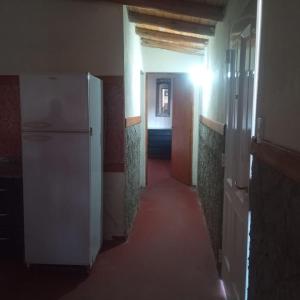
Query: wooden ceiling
(177,25)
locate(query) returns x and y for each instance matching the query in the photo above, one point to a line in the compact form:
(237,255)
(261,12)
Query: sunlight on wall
(133,65)
(203,77)
(136,67)
(165,61)
(257,59)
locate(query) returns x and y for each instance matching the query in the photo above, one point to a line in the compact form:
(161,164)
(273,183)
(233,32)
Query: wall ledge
(214,125)
(282,159)
(131,121)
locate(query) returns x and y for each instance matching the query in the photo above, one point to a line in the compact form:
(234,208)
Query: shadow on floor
(167,256)
(47,282)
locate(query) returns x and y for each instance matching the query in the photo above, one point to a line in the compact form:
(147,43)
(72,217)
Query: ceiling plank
(170,15)
(177,43)
(148,33)
(182,26)
(187,7)
(171,47)
(157,28)
(180,50)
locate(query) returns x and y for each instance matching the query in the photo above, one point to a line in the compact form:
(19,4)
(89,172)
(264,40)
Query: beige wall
(133,65)
(213,103)
(159,60)
(61,36)
(279,81)
(214,92)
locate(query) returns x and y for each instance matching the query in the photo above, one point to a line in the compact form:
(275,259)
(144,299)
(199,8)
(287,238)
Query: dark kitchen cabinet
(159,143)
(11,218)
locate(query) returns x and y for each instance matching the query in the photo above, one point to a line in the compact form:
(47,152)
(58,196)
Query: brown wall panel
(10,119)
(114,118)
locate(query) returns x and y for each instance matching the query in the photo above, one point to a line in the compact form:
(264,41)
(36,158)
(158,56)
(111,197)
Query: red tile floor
(167,256)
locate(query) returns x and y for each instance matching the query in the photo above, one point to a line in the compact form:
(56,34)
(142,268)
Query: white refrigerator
(62,168)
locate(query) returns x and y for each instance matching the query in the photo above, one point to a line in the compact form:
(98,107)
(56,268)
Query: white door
(54,103)
(237,172)
(96,162)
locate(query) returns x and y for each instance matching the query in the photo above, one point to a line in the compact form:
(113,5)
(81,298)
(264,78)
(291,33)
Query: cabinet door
(11,218)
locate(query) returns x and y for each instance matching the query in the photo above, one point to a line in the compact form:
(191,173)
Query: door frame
(237,187)
(146,120)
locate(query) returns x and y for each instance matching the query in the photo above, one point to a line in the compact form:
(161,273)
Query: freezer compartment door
(56,198)
(54,103)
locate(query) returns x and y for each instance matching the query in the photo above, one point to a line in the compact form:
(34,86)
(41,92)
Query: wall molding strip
(284,160)
(214,125)
(131,121)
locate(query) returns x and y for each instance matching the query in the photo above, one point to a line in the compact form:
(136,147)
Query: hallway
(167,256)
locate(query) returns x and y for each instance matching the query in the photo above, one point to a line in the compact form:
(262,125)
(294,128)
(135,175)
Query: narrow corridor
(167,256)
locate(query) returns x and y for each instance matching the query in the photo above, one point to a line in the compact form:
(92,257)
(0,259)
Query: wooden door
(182,135)
(236,216)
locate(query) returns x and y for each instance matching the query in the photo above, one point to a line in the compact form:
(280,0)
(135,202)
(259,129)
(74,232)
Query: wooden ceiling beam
(166,36)
(177,44)
(177,25)
(186,7)
(171,47)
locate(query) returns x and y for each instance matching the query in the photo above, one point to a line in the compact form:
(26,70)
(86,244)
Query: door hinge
(223,160)
(91,131)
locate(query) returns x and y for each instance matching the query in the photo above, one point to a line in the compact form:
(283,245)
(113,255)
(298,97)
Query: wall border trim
(282,159)
(131,121)
(214,125)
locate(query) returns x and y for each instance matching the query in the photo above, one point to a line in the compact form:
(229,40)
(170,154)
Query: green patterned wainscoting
(132,172)
(211,183)
(275,234)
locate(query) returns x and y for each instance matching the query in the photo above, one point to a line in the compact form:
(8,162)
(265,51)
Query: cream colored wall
(134,84)
(279,77)
(133,65)
(163,61)
(61,36)
(113,210)
(214,91)
(213,101)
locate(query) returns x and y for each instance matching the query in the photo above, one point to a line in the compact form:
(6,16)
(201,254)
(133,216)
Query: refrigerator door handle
(36,125)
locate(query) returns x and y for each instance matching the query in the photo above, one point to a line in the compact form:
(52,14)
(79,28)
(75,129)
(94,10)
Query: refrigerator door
(54,103)
(56,198)
(96,154)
